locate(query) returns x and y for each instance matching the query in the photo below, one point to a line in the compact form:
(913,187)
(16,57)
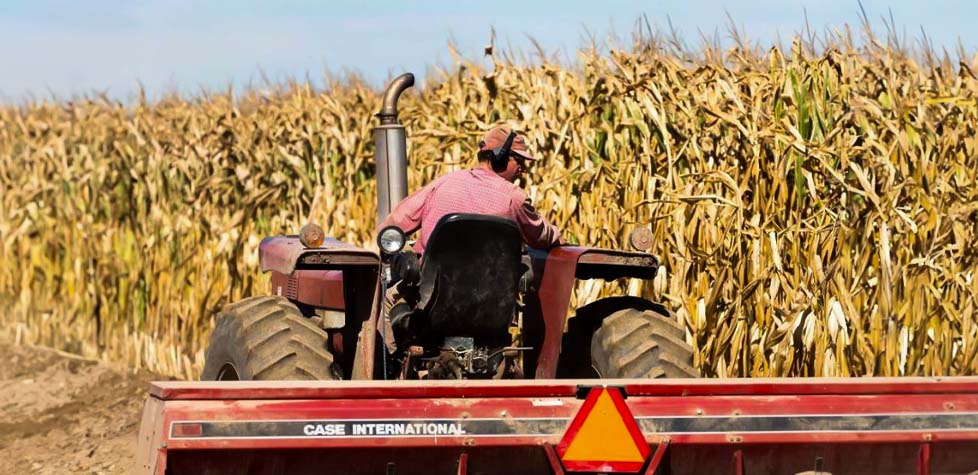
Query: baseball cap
(496,138)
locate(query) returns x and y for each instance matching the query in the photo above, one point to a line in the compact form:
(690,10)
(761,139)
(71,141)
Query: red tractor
(484,308)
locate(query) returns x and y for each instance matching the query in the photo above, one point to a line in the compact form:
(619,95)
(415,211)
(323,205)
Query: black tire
(267,338)
(641,343)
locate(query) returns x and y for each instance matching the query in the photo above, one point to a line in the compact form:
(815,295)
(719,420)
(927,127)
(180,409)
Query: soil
(65,414)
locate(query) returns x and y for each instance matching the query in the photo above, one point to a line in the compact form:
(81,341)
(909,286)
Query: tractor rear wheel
(641,343)
(267,338)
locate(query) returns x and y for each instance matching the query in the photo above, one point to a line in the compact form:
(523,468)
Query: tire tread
(635,343)
(272,341)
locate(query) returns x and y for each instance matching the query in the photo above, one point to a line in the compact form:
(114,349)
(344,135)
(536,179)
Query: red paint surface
(944,451)
(321,288)
(318,288)
(556,285)
(282,253)
(758,389)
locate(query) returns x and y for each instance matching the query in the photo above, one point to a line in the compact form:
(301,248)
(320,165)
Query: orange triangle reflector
(603,437)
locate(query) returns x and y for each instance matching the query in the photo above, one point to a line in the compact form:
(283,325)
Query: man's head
(514,165)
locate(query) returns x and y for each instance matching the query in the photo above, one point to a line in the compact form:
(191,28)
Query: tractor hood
(285,254)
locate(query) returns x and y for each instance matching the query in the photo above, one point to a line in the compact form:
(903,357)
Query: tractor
(482,373)
(485,307)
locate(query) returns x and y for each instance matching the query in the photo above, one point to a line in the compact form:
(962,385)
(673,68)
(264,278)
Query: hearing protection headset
(500,155)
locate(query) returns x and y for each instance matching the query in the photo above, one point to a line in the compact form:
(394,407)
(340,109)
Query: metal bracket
(657,456)
(923,459)
(583,390)
(463,464)
(554,460)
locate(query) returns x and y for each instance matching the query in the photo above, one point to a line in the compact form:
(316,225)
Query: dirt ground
(66,415)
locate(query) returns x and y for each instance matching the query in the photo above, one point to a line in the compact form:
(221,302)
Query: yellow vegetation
(817,213)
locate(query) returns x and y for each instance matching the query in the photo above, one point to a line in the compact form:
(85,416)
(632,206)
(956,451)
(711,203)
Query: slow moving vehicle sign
(603,437)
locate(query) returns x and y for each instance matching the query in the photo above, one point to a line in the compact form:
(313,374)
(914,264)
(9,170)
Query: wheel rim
(228,373)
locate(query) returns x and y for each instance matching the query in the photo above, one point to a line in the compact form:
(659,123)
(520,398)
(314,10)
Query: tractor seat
(469,279)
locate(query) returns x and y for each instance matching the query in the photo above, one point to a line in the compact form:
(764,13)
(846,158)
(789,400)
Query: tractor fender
(555,273)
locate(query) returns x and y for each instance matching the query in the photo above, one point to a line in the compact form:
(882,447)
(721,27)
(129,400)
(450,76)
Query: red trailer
(758,426)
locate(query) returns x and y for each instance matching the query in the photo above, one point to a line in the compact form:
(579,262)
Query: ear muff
(501,155)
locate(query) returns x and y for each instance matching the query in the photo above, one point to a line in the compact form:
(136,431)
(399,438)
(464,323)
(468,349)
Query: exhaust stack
(390,143)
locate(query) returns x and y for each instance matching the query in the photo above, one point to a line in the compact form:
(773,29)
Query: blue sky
(63,48)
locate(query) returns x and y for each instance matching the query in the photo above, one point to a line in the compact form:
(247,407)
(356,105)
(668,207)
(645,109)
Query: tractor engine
(459,358)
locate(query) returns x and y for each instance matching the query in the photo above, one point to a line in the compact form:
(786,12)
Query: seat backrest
(469,277)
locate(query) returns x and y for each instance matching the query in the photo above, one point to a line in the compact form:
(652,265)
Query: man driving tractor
(479,306)
(489,189)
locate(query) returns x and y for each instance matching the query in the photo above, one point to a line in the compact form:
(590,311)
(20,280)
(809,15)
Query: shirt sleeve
(407,214)
(535,230)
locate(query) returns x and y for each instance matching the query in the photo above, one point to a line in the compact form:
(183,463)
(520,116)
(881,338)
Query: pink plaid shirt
(478,191)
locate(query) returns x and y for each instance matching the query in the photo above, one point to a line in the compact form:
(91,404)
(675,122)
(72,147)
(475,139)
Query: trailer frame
(913,425)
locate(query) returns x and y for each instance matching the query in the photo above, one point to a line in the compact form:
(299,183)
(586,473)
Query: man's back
(468,191)
(478,191)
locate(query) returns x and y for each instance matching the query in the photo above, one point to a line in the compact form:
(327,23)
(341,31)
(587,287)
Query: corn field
(815,209)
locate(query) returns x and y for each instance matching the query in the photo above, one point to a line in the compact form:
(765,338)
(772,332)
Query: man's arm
(407,214)
(535,230)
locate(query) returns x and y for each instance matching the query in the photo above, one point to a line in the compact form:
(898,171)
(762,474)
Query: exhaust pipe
(390,144)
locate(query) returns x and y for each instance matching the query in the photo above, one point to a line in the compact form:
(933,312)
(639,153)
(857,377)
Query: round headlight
(391,239)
